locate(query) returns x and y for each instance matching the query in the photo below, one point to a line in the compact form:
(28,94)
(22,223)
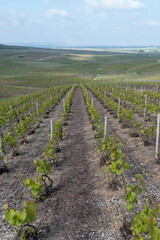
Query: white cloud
(119,28)
(148,23)
(60,16)
(153,23)
(57,1)
(11,18)
(14,18)
(115,4)
(34,21)
(57,12)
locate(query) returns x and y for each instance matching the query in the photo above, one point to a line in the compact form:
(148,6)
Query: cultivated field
(79,144)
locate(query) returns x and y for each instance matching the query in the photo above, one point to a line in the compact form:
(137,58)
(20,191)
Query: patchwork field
(41,68)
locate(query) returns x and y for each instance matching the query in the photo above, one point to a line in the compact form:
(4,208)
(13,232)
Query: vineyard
(81,161)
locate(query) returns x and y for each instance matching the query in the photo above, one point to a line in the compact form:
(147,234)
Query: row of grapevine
(127,115)
(23,119)
(145,221)
(41,185)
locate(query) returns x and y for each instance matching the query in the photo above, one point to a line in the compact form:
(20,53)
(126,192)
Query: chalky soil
(77,208)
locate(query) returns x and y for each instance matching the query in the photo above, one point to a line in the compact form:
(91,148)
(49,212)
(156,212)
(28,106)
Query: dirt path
(78,208)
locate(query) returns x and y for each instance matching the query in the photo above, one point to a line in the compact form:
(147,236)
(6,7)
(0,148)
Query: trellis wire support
(37,108)
(105,127)
(156,87)
(145,107)
(51,129)
(64,105)
(1,151)
(119,103)
(11,112)
(92,102)
(105,98)
(157,137)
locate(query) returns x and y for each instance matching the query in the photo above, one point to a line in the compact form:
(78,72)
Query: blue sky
(81,22)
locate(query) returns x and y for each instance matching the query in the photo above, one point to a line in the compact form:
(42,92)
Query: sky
(81,22)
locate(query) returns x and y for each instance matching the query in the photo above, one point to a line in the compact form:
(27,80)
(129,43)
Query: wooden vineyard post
(145,107)
(37,109)
(105,98)
(11,114)
(105,127)
(1,151)
(92,102)
(51,129)
(63,105)
(156,87)
(119,103)
(123,96)
(157,137)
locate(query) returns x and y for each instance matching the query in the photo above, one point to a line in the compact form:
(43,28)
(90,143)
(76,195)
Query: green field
(22,69)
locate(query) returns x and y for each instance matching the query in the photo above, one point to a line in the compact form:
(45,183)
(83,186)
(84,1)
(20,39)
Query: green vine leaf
(126,166)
